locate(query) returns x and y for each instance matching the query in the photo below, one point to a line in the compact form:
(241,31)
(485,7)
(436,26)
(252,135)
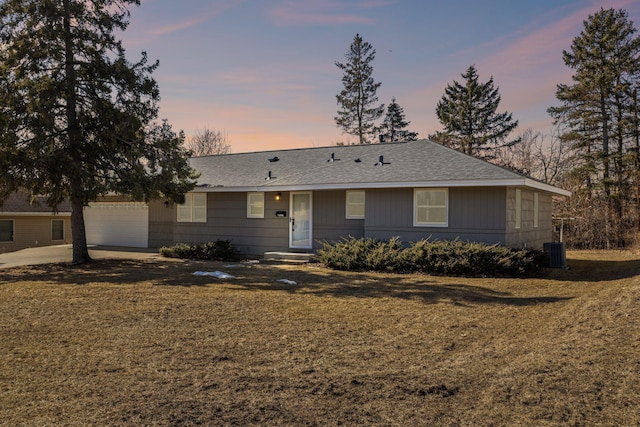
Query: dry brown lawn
(147,343)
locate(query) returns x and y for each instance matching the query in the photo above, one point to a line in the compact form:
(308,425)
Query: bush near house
(218,250)
(447,257)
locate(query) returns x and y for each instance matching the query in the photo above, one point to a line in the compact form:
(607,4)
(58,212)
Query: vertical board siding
(329,218)
(475,214)
(479,208)
(226,220)
(479,214)
(162,221)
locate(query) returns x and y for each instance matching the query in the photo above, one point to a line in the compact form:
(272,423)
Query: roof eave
(34,213)
(546,187)
(512,182)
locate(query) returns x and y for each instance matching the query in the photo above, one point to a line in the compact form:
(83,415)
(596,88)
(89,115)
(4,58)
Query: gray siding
(475,214)
(227,220)
(162,221)
(329,218)
(479,214)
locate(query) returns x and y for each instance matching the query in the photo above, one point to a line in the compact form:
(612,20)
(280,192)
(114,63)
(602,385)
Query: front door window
(300,221)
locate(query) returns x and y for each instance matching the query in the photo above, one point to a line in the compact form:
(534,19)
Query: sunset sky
(263,71)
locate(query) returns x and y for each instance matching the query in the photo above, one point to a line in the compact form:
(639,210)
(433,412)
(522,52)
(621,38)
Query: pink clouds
(320,13)
(214,11)
(526,65)
(530,67)
(283,96)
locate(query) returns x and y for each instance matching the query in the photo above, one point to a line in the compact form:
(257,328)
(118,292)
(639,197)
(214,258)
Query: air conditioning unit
(557,254)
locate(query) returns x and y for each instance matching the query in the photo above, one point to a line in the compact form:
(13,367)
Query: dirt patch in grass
(123,342)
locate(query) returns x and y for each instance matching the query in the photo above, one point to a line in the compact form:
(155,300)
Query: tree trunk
(636,161)
(605,145)
(80,250)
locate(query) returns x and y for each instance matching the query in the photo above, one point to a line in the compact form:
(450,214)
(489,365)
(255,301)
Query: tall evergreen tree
(599,110)
(77,120)
(358,102)
(393,127)
(468,114)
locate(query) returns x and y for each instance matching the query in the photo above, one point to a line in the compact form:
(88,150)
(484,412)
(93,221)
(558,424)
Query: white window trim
(347,204)
(63,233)
(252,203)
(191,210)
(13,231)
(536,206)
(415,208)
(518,208)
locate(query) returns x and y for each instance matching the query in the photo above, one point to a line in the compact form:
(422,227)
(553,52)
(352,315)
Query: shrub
(348,254)
(218,250)
(447,257)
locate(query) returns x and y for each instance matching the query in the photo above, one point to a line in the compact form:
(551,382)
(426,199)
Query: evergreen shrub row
(446,257)
(218,250)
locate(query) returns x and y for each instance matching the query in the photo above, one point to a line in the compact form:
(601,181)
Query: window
(355,204)
(535,210)
(57,229)
(431,207)
(6,230)
(518,208)
(255,205)
(194,208)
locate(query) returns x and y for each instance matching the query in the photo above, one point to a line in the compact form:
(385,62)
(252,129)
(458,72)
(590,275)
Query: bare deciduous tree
(540,156)
(208,142)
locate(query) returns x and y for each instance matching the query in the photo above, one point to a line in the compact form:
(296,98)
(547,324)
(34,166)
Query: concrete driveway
(63,253)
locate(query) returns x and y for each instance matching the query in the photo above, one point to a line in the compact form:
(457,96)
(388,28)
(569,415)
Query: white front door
(300,221)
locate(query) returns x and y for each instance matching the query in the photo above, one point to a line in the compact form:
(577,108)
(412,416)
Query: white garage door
(117,224)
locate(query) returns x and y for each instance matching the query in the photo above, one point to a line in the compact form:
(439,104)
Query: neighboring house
(292,200)
(114,220)
(27,223)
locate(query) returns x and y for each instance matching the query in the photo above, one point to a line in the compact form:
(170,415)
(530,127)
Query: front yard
(148,343)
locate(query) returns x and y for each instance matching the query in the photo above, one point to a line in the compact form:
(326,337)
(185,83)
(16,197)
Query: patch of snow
(218,274)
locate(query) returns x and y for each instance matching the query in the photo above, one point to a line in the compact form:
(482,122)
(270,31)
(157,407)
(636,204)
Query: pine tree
(599,112)
(357,100)
(77,120)
(468,114)
(393,127)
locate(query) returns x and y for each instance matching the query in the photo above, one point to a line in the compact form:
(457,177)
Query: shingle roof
(412,163)
(21,202)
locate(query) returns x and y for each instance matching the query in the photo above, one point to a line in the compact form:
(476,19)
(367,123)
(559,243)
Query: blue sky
(263,71)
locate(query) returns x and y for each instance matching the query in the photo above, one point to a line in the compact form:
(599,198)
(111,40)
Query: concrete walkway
(63,253)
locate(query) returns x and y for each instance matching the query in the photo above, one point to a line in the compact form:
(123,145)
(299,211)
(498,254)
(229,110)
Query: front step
(287,257)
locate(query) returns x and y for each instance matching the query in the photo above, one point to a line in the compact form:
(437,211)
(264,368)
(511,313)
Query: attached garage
(117,224)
